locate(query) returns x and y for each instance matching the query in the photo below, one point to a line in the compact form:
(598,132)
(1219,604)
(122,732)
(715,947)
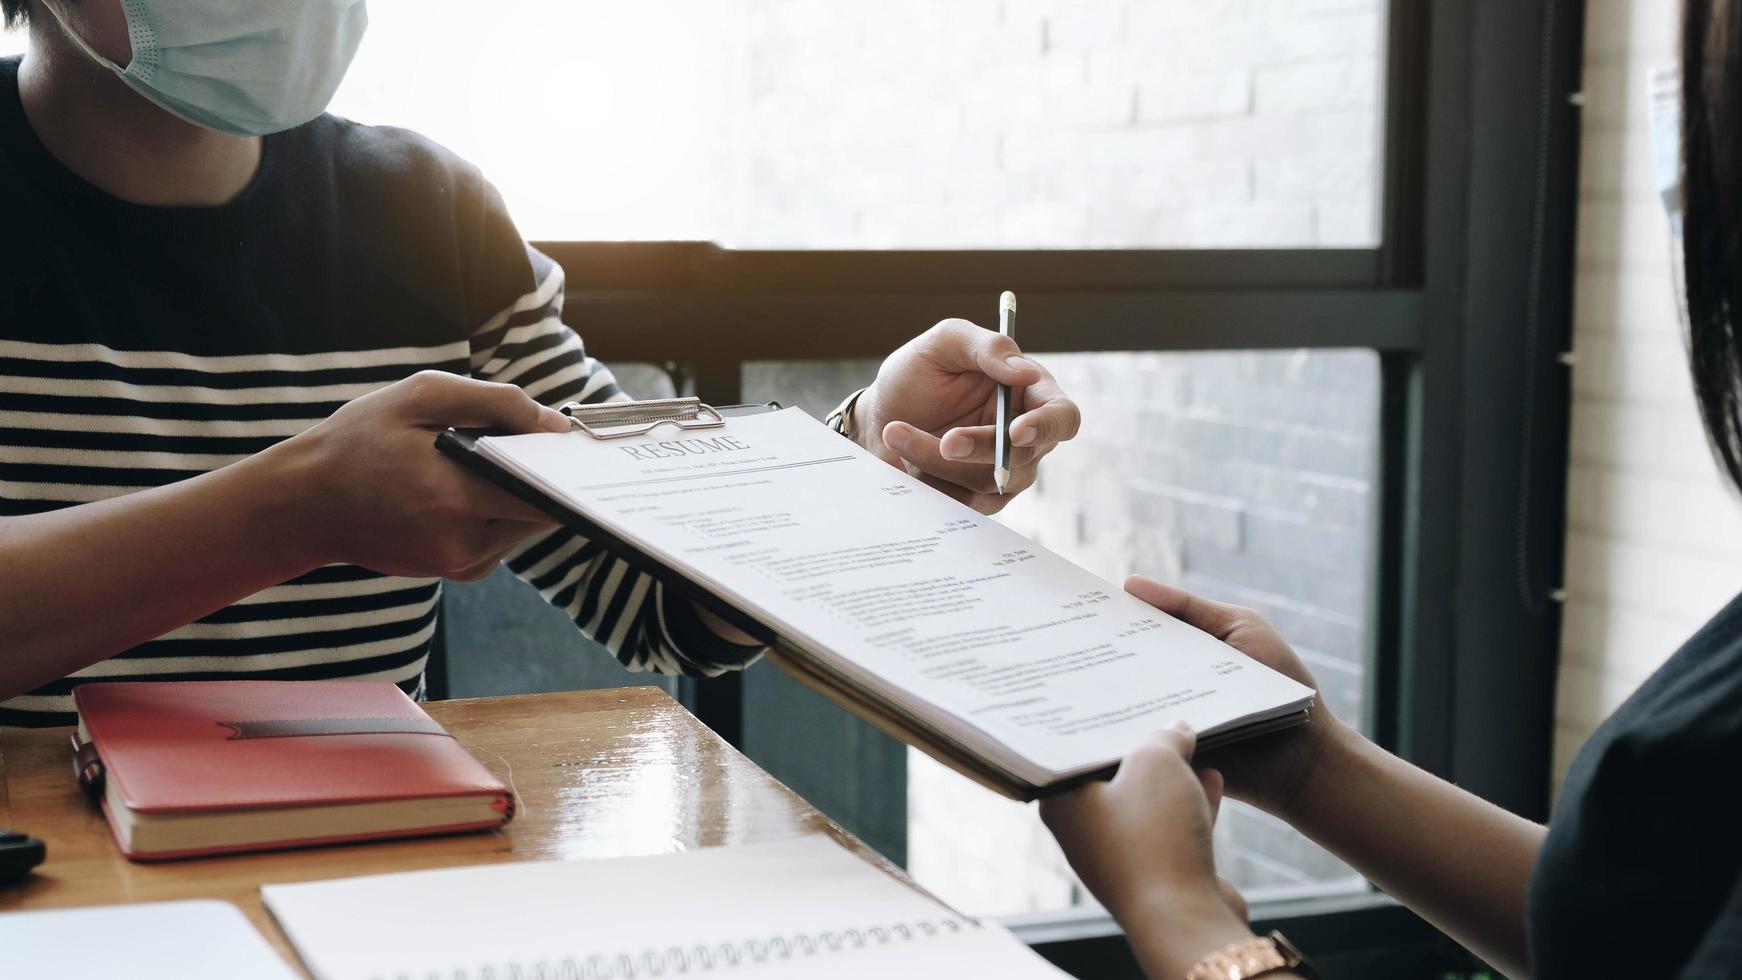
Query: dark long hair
(1712,217)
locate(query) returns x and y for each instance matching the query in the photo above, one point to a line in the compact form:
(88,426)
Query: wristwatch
(1258,957)
(841,419)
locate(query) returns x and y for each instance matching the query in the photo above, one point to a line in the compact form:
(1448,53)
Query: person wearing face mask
(1639,871)
(230,328)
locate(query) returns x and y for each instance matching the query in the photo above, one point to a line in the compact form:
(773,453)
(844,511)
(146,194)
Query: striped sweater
(140,346)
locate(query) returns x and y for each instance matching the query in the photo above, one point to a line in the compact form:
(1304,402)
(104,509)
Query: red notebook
(208,767)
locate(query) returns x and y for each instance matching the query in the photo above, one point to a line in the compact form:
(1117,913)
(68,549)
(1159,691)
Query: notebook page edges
(804,900)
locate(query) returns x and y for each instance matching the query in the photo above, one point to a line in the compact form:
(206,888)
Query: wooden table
(605,773)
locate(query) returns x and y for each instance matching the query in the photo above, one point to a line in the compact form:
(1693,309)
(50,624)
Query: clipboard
(614,420)
(626,418)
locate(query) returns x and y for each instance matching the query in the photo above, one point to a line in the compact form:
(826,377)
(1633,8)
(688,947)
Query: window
(1247,476)
(836,124)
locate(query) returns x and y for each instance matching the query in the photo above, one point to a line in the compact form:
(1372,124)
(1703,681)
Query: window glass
(902,124)
(1243,476)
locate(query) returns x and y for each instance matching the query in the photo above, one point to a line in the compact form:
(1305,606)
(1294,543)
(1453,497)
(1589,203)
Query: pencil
(1007,327)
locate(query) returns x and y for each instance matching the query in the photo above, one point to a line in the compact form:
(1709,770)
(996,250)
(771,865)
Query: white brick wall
(1056,123)
(1654,536)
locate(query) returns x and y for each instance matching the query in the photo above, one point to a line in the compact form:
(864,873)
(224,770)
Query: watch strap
(841,419)
(1261,956)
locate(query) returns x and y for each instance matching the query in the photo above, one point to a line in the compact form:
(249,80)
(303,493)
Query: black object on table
(18,854)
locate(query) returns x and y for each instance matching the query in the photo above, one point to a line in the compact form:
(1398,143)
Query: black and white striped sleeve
(629,613)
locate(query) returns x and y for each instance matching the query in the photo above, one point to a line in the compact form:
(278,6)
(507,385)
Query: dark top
(140,346)
(1641,875)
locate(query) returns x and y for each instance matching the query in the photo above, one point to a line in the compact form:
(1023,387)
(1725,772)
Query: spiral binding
(679,961)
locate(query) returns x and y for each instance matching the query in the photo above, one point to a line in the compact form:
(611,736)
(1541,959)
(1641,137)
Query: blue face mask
(246,69)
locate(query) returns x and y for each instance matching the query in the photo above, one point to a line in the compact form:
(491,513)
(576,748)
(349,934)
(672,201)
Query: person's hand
(932,406)
(1272,771)
(368,487)
(1141,843)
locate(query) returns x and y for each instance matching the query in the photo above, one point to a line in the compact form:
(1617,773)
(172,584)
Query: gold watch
(1259,957)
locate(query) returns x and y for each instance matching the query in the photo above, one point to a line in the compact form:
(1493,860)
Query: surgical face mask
(247,69)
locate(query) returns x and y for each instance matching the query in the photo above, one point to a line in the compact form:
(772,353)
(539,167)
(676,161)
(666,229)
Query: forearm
(83,583)
(1459,861)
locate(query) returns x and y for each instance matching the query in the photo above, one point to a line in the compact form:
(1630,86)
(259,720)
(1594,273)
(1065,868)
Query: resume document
(921,606)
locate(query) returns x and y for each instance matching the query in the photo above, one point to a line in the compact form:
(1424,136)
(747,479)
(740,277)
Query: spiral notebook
(804,907)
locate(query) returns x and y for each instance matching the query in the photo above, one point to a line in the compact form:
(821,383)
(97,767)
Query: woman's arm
(366,486)
(1460,862)
(1457,860)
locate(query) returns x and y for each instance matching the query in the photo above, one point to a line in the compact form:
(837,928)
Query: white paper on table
(564,915)
(200,940)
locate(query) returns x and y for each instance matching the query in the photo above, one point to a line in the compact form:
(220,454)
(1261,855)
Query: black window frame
(1467,300)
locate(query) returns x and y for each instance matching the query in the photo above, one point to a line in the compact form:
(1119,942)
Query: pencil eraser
(1007,301)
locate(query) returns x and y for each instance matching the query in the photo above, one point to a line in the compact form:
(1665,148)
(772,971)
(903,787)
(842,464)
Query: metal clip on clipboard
(615,420)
